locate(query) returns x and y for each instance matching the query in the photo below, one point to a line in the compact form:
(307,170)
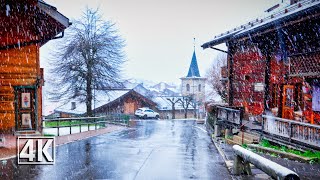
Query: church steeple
(193,84)
(193,69)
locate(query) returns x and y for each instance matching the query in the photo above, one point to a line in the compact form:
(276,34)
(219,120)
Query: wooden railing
(295,131)
(229,115)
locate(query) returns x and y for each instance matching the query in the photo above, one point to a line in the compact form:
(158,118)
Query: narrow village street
(149,149)
(160,90)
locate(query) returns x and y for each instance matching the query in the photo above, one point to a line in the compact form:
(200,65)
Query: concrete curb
(62,140)
(228,163)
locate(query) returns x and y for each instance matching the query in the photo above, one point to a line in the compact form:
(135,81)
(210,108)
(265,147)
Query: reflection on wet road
(150,149)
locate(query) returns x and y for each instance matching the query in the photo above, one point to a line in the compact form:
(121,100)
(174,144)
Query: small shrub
(265,143)
(245,146)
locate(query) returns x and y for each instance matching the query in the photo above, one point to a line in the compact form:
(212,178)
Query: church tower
(193,84)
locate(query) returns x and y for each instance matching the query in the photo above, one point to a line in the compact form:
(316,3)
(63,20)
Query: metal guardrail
(292,130)
(244,157)
(98,122)
(229,115)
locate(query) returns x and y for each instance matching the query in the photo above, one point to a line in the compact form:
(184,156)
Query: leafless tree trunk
(89,58)
(193,103)
(214,77)
(173,101)
(185,101)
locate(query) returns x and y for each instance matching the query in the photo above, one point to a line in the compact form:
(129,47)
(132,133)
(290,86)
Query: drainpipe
(23,44)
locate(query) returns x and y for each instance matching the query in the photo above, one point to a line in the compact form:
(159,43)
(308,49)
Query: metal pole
(271,168)
(58,127)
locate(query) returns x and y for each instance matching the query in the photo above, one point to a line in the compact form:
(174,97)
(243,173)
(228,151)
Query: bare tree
(213,75)
(185,101)
(194,104)
(90,58)
(173,101)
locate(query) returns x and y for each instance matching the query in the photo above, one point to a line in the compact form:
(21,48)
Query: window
(199,88)
(188,87)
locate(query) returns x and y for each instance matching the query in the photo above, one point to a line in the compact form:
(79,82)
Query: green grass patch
(244,146)
(48,135)
(66,123)
(61,123)
(308,154)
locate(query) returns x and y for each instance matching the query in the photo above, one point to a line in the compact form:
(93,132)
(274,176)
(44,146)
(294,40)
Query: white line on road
(201,129)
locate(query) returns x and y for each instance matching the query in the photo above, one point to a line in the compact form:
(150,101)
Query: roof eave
(239,34)
(278,21)
(52,12)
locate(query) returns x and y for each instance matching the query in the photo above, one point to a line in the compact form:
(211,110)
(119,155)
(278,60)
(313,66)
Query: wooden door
(288,102)
(25,109)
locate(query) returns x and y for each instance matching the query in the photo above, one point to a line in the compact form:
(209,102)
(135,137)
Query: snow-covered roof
(164,104)
(102,98)
(161,86)
(173,90)
(282,13)
(49,107)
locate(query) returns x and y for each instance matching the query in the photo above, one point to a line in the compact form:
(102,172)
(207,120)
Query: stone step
(27,133)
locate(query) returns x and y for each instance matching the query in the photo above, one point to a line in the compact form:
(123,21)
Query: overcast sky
(159,33)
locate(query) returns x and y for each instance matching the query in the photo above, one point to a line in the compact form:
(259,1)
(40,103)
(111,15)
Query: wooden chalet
(274,63)
(127,103)
(114,102)
(25,26)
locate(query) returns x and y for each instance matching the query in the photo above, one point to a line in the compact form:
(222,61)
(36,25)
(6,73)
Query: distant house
(164,108)
(124,101)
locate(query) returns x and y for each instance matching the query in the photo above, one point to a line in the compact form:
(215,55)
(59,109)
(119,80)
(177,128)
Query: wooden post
(217,130)
(228,132)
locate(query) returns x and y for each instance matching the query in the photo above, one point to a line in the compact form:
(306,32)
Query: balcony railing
(304,133)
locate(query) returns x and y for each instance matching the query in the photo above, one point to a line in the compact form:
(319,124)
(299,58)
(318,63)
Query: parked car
(146,113)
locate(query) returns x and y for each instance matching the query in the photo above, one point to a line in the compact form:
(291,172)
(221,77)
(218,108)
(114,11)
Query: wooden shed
(25,26)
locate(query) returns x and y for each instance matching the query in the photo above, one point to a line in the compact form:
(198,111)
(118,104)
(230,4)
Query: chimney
(73,105)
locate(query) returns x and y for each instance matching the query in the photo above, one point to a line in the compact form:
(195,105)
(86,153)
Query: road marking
(182,119)
(144,162)
(201,129)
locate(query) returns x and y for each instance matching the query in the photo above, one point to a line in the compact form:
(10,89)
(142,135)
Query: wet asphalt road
(149,149)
